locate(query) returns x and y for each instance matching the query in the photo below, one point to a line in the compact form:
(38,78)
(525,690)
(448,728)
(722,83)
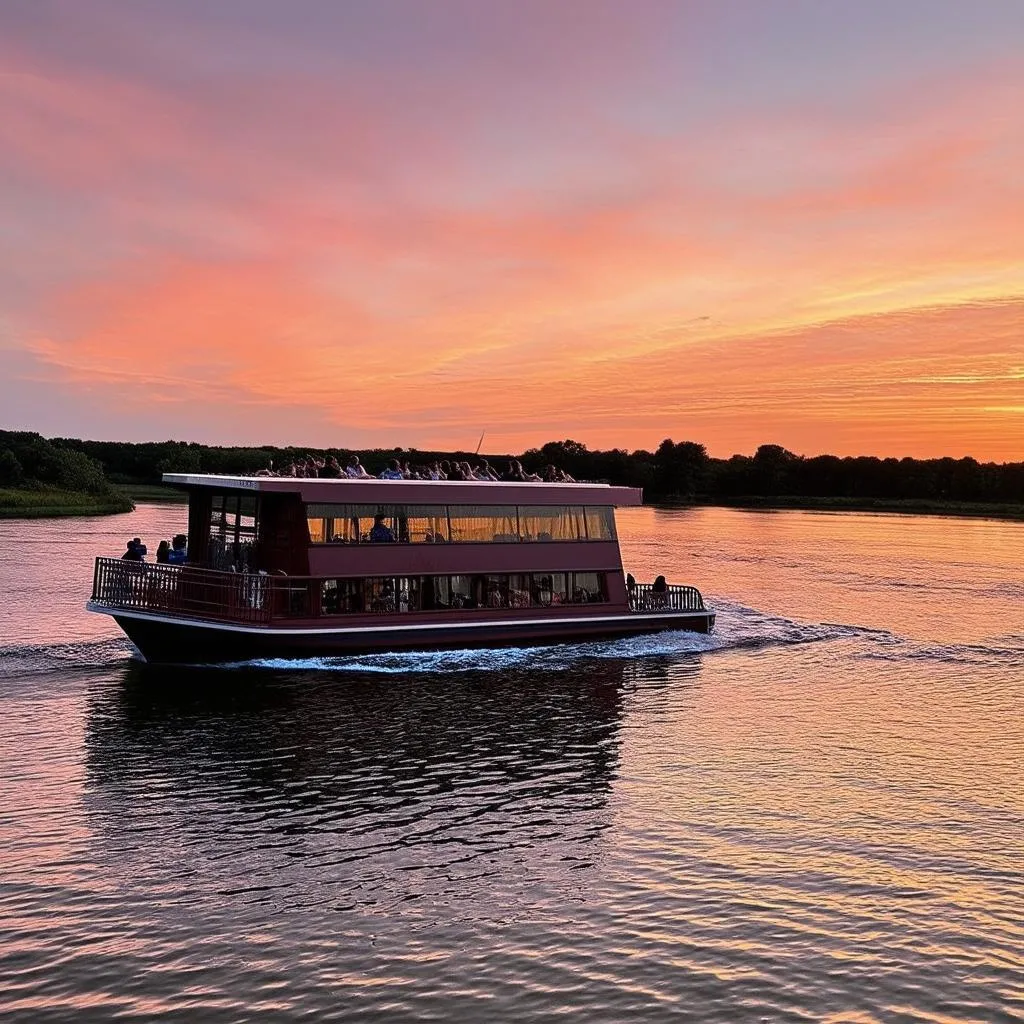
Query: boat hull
(177,640)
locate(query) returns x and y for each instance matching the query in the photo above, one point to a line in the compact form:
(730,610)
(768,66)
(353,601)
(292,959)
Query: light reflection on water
(814,814)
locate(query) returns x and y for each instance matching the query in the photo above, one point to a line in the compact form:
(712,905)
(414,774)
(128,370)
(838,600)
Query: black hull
(181,641)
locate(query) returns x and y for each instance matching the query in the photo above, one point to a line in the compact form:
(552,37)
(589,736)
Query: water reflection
(364,790)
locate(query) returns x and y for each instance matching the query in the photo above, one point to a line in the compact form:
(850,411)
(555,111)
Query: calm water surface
(817,814)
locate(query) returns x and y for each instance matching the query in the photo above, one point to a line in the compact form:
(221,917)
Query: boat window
(587,587)
(233,529)
(483,523)
(551,522)
(340,597)
(424,524)
(600,522)
(550,588)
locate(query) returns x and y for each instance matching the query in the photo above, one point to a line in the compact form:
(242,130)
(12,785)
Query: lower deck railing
(259,598)
(183,590)
(645,597)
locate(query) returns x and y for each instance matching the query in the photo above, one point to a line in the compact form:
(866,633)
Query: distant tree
(773,470)
(11,473)
(680,469)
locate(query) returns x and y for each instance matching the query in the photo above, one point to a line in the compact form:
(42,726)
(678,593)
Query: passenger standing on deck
(163,550)
(136,551)
(178,555)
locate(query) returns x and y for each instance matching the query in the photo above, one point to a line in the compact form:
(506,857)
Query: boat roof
(414,492)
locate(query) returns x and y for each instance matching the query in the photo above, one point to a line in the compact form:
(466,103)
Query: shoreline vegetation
(908,506)
(39,503)
(68,476)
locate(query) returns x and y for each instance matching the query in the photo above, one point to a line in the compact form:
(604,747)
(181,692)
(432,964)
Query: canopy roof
(415,492)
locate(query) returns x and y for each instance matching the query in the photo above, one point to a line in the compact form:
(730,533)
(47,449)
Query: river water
(816,814)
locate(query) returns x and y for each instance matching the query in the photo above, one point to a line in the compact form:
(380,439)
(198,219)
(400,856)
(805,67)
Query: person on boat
(486,472)
(136,551)
(516,472)
(381,532)
(163,551)
(355,469)
(659,593)
(393,471)
(331,470)
(178,555)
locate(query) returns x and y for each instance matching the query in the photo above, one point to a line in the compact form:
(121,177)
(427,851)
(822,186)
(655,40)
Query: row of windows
(457,524)
(385,594)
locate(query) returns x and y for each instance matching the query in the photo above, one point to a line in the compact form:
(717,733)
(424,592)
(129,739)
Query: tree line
(674,471)
(30,461)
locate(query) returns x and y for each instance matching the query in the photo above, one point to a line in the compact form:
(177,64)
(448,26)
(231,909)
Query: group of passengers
(174,552)
(443,469)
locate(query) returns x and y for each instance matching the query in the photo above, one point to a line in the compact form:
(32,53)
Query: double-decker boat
(280,567)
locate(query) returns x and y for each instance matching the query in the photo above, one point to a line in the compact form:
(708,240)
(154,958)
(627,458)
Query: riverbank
(152,492)
(18,503)
(906,506)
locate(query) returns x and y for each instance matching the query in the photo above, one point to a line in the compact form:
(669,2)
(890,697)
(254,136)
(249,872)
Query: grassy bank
(906,506)
(16,503)
(151,492)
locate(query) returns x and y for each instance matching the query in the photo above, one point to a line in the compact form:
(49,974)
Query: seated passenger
(331,470)
(516,472)
(393,471)
(355,469)
(486,472)
(163,550)
(381,532)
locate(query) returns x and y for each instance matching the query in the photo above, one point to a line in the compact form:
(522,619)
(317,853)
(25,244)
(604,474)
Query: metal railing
(182,590)
(644,598)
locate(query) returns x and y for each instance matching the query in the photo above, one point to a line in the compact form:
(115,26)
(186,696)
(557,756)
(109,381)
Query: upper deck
(413,492)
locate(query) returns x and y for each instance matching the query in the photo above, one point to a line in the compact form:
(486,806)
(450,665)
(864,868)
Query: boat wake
(35,658)
(738,628)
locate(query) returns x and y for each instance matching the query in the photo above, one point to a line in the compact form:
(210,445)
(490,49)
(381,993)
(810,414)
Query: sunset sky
(363,224)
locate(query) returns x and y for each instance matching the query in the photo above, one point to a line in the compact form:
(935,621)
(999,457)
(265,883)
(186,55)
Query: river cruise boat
(280,567)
